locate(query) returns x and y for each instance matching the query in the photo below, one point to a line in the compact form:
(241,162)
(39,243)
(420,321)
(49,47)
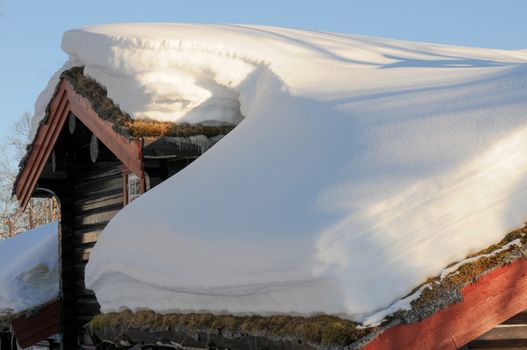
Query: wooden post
(5,341)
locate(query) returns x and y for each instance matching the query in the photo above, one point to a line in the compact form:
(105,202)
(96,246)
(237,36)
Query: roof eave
(65,101)
(494,298)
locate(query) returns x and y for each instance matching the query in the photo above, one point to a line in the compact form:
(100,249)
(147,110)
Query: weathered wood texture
(496,297)
(510,334)
(90,194)
(128,151)
(518,319)
(145,339)
(42,146)
(32,329)
(97,197)
(64,102)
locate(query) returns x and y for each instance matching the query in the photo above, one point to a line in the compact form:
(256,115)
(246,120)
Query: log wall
(510,335)
(97,196)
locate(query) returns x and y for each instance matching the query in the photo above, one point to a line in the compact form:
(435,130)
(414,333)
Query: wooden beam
(39,326)
(494,298)
(64,102)
(42,146)
(128,151)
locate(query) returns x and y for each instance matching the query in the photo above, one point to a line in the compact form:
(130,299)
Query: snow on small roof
(29,269)
(361,166)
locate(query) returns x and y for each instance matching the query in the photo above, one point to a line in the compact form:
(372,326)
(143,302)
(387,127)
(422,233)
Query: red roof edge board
(64,102)
(494,298)
(40,326)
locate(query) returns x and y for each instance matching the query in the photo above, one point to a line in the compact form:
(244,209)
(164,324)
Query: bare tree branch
(38,211)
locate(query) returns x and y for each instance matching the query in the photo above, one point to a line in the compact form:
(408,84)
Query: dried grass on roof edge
(312,331)
(126,125)
(323,331)
(122,123)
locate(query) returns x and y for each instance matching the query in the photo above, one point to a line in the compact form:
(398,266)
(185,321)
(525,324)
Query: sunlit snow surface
(29,269)
(362,166)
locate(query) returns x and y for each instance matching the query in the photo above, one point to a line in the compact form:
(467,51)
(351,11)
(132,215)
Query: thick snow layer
(362,166)
(406,303)
(29,269)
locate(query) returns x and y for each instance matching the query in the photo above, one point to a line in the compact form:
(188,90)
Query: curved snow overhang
(65,101)
(486,300)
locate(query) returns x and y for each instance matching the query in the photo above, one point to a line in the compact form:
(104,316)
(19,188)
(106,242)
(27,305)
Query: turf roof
(317,332)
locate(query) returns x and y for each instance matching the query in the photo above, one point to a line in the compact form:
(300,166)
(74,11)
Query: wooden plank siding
(90,191)
(510,335)
(89,194)
(97,197)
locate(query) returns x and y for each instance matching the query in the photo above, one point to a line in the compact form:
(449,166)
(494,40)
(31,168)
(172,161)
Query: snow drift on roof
(362,166)
(29,269)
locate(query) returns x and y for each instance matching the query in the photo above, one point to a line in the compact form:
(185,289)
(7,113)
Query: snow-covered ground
(29,269)
(362,166)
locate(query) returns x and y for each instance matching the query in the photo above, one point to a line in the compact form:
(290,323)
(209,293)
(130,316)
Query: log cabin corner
(94,159)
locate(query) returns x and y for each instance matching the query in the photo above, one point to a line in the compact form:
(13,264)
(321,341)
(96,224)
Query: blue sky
(31,30)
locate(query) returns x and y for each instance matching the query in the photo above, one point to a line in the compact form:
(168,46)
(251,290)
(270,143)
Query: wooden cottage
(95,160)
